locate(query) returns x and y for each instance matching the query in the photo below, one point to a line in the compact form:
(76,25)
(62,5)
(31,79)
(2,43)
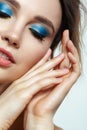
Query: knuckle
(47,81)
(22,95)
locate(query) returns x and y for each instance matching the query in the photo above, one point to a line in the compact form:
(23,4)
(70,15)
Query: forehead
(51,9)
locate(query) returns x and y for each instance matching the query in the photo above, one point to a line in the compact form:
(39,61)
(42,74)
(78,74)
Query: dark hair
(70,20)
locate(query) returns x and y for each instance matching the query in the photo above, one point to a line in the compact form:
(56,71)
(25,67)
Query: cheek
(34,50)
(29,57)
(22,67)
(33,56)
(6,24)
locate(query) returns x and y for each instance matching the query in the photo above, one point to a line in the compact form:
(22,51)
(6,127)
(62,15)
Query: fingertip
(72,57)
(65,38)
(49,50)
(48,53)
(66,33)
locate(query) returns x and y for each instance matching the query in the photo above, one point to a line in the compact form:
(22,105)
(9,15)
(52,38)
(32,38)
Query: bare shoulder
(57,128)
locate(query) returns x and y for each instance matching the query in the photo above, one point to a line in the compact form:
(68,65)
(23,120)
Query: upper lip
(4,51)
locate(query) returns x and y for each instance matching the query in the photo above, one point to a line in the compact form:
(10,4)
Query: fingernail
(65,70)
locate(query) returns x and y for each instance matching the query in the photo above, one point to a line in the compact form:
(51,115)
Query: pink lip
(11,58)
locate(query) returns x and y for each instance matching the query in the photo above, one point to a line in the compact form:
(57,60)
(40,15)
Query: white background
(72,114)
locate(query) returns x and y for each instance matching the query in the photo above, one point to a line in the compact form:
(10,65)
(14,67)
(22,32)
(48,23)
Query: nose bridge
(17,29)
(14,34)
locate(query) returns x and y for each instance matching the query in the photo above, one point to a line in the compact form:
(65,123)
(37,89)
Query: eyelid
(5,8)
(40,29)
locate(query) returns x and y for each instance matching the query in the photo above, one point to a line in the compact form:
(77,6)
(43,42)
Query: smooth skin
(16,37)
(43,106)
(41,90)
(33,85)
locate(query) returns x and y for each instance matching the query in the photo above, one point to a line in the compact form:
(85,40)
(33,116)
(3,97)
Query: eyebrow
(14,2)
(45,21)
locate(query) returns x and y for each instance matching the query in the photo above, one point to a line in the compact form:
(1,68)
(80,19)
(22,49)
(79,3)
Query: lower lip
(4,62)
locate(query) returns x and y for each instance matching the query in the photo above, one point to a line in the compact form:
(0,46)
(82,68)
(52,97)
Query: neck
(3,87)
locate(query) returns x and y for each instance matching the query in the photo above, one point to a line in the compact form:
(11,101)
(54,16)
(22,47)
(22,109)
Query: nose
(12,38)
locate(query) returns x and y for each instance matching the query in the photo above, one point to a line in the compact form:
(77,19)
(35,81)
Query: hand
(41,109)
(40,78)
(65,40)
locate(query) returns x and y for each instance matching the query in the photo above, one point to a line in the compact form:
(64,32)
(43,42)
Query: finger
(49,74)
(75,66)
(74,58)
(65,39)
(45,67)
(44,84)
(21,97)
(50,64)
(72,49)
(60,91)
(54,73)
(75,63)
(42,61)
(58,94)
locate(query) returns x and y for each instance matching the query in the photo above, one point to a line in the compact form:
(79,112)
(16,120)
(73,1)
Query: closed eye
(5,10)
(37,35)
(4,15)
(39,31)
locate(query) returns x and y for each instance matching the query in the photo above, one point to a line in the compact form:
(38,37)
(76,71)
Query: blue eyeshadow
(40,29)
(5,8)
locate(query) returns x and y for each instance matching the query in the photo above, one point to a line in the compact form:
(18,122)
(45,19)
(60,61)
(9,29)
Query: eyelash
(34,33)
(4,15)
(37,35)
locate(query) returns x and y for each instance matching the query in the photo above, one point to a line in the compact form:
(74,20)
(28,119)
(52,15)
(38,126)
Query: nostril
(10,39)
(11,42)
(6,39)
(14,44)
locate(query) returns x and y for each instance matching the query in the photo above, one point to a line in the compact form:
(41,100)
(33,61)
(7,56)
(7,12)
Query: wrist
(39,123)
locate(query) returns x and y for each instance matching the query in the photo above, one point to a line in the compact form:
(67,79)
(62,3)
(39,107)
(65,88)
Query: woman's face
(27,29)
